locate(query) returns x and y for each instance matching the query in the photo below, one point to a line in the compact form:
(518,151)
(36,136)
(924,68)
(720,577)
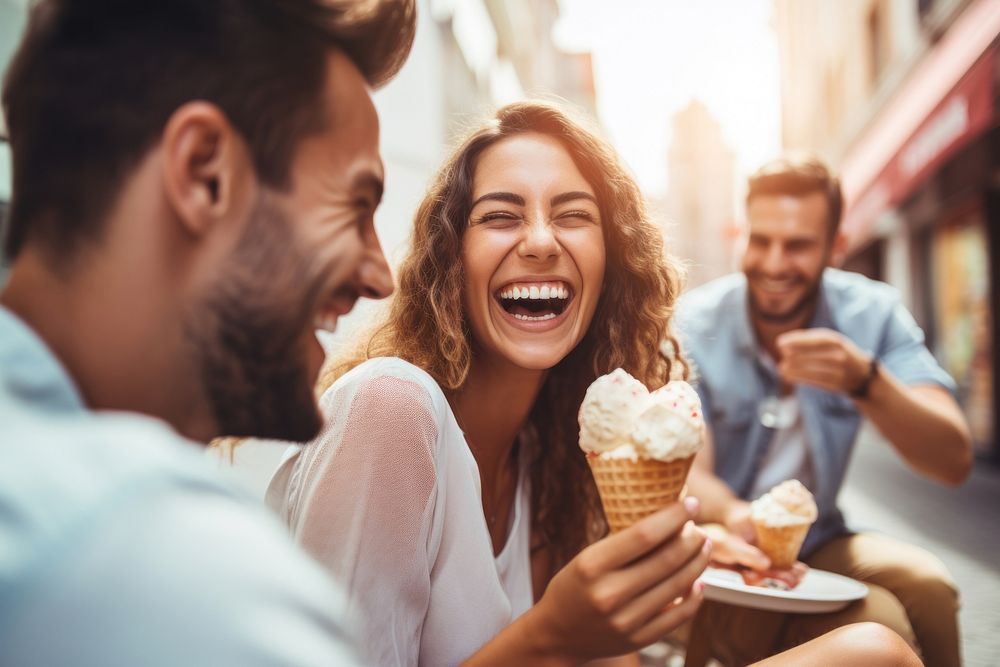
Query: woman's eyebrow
(570,196)
(508,197)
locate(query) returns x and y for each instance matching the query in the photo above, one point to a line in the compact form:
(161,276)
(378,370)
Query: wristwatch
(861,391)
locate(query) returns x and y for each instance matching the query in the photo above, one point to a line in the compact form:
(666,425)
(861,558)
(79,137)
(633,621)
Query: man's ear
(838,251)
(205,165)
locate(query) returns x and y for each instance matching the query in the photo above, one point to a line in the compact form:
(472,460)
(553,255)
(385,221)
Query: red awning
(944,103)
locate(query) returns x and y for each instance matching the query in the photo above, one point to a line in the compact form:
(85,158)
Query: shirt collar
(823,317)
(745,339)
(30,372)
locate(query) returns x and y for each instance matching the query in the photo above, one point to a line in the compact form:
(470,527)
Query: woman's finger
(637,613)
(622,548)
(670,618)
(629,582)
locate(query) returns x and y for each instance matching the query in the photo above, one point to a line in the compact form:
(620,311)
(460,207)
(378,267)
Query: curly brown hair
(427,326)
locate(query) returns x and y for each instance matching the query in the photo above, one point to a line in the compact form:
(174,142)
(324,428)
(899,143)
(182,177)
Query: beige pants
(910,591)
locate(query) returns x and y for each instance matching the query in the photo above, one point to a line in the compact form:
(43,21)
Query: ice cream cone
(781,518)
(631,489)
(781,543)
(639,445)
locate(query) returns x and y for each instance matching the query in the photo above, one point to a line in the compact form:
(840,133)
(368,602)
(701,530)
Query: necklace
(492,502)
(489,514)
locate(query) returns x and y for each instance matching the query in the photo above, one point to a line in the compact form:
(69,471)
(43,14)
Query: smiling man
(193,195)
(792,354)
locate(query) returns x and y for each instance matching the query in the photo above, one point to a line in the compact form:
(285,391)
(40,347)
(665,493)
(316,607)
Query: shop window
(963,317)
(868,261)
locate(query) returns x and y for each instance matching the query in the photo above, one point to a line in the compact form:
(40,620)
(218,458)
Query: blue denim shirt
(121,545)
(713,323)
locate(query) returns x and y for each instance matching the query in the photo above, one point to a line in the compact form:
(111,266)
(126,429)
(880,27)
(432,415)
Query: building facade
(700,202)
(901,97)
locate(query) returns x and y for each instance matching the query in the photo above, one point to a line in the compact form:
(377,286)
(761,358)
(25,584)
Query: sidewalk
(961,526)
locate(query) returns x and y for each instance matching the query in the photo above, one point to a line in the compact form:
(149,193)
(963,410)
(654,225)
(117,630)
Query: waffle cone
(781,543)
(633,489)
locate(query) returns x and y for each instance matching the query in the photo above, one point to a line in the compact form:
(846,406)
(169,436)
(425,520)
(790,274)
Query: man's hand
(782,580)
(822,358)
(736,520)
(732,550)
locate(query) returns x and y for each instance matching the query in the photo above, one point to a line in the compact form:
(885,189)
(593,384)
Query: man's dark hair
(94,82)
(797,176)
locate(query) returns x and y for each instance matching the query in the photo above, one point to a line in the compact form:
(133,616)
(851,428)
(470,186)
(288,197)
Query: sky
(651,57)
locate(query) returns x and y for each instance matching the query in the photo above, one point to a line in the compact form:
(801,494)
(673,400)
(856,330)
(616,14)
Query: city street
(959,525)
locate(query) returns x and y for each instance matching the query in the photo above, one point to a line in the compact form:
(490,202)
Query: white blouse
(388,498)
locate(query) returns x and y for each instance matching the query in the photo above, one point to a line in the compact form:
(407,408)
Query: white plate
(820,591)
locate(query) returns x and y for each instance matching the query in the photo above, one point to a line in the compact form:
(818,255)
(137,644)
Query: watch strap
(862,389)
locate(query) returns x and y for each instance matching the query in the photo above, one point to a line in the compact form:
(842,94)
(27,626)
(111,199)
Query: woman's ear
(204,161)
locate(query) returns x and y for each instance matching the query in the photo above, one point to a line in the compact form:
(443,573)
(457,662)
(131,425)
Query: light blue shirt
(713,322)
(120,545)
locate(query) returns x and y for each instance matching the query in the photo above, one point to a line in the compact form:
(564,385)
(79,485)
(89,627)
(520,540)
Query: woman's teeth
(530,318)
(535,292)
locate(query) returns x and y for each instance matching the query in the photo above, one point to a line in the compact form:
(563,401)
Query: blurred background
(897,94)
(900,96)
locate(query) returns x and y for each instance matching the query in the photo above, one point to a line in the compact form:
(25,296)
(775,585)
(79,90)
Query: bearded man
(792,354)
(194,184)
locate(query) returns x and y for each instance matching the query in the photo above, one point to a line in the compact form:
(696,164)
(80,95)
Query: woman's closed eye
(575,218)
(506,219)
(498,219)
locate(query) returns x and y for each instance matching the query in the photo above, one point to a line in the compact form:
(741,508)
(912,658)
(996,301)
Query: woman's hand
(627,590)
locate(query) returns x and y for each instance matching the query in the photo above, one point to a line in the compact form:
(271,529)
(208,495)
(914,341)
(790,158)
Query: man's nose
(774,258)
(539,240)
(374,275)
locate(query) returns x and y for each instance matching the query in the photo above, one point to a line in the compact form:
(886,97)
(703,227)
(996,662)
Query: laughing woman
(447,491)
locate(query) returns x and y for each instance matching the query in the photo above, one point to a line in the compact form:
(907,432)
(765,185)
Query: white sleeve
(179,577)
(366,506)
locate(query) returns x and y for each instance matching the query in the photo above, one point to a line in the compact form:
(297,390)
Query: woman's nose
(539,240)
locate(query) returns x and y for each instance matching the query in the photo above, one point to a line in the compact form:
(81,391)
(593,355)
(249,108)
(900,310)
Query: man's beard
(248,335)
(805,304)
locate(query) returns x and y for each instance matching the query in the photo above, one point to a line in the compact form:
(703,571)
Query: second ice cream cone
(781,543)
(781,518)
